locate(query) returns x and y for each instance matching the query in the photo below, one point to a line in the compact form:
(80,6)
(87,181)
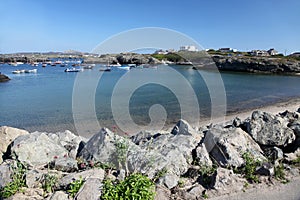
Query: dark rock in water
(4,78)
(270,130)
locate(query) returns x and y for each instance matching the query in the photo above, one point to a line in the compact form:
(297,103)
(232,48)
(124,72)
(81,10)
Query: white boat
(73,69)
(16,72)
(115,65)
(124,68)
(31,71)
(88,67)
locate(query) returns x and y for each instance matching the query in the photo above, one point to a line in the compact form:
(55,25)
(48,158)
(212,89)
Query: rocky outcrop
(7,136)
(267,129)
(4,78)
(227,146)
(256,64)
(184,163)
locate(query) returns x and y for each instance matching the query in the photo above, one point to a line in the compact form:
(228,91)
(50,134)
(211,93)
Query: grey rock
(91,173)
(274,154)
(227,146)
(7,136)
(68,140)
(225,181)
(65,164)
(267,129)
(59,195)
(142,137)
(121,175)
(5,172)
(202,156)
(183,128)
(162,193)
(90,190)
(36,149)
(194,193)
(33,178)
(170,181)
(4,78)
(28,194)
(266,169)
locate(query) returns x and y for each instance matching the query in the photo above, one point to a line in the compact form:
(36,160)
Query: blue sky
(82,24)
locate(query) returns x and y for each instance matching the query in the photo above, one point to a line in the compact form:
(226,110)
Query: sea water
(43,101)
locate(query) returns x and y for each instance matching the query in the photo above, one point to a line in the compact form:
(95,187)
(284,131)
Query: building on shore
(188,48)
(270,52)
(227,50)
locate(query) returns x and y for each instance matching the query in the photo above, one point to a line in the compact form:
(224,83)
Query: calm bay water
(43,101)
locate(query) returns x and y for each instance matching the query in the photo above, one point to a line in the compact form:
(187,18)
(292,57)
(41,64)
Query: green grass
(206,173)
(160,174)
(249,168)
(18,181)
(49,182)
(279,173)
(135,186)
(75,186)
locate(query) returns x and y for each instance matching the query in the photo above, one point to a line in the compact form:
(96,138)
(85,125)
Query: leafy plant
(206,173)
(18,181)
(49,182)
(279,173)
(181,183)
(135,186)
(249,167)
(121,151)
(75,186)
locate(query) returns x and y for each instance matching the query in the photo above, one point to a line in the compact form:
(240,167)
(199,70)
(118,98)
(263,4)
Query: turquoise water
(43,101)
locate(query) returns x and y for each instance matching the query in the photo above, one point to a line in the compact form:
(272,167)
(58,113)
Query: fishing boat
(16,71)
(73,69)
(88,66)
(107,69)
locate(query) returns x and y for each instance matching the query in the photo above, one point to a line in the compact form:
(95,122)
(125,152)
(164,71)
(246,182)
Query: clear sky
(37,25)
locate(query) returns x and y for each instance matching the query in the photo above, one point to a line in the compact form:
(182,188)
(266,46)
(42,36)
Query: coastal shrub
(135,186)
(279,173)
(49,182)
(121,151)
(18,181)
(75,186)
(249,168)
(206,174)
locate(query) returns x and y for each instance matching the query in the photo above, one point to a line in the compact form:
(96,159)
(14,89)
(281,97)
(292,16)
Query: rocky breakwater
(4,78)
(129,58)
(185,163)
(257,64)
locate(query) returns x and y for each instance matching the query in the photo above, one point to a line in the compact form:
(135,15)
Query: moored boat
(73,69)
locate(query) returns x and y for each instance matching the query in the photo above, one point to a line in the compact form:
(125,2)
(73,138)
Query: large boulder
(227,146)
(7,135)
(226,182)
(6,170)
(90,190)
(36,149)
(268,129)
(4,78)
(68,140)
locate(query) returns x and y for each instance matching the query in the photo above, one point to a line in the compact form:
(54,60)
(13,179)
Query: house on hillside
(272,52)
(227,50)
(188,48)
(259,53)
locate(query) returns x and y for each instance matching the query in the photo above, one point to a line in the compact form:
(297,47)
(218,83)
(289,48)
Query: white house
(272,52)
(188,48)
(227,50)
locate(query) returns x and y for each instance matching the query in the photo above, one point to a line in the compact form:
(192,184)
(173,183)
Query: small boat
(16,72)
(108,69)
(73,69)
(22,70)
(62,65)
(88,67)
(124,68)
(115,65)
(31,71)
(44,65)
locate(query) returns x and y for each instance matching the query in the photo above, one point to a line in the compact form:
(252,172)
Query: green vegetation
(181,183)
(121,152)
(18,181)
(279,173)
(249,167)
(173,57)
(49,182)
(135,186)
(206,173)
(160,174)
(75,186)
(296,161)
